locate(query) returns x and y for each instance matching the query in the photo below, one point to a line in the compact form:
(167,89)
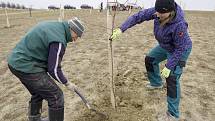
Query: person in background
(174,44)
(101,7)
(36,59)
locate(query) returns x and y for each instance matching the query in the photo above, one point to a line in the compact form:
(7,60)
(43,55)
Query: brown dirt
(86,64)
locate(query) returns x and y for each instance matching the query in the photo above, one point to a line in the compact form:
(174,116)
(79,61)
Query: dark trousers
(41,86)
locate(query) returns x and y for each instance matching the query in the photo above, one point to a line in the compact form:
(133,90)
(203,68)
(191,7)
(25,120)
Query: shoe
(44,119)
(167,117)
(149,86)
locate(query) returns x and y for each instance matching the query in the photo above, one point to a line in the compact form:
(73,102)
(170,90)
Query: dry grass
(86,64)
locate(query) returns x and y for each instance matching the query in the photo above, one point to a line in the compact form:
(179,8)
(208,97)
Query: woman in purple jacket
(174,44)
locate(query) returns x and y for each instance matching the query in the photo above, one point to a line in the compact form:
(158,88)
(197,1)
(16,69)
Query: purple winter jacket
(172,37)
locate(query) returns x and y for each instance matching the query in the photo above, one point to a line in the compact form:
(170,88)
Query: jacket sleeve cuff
(170,67)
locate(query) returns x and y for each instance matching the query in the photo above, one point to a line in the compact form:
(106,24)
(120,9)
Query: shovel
(87,104)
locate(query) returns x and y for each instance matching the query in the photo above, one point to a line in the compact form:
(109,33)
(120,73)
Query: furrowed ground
(86,64)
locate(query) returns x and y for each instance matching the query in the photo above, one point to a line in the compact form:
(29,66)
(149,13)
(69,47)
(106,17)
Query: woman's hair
(170,18)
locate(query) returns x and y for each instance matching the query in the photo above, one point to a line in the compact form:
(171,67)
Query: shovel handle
(82,98)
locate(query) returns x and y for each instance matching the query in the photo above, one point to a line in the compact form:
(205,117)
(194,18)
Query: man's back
(31,53)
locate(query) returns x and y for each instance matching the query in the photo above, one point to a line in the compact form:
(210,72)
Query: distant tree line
(53,7)
(11,5)
(65,7)
(83,6)
(69,7)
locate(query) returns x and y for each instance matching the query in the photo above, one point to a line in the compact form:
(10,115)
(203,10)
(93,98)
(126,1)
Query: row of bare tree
(65,7)
(11,5)
(83,6)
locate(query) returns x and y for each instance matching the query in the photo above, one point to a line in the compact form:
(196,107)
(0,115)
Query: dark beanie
(76,25)
(164,6)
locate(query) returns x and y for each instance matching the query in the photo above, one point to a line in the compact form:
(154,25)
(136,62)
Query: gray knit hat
(76,25)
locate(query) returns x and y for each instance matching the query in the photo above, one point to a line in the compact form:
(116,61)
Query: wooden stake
(110,53)
(61,16)
(8,23)
(30,11)
(129,11)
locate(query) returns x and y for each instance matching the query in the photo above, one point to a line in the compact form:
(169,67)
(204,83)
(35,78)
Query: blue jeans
(41,86)
(152,60)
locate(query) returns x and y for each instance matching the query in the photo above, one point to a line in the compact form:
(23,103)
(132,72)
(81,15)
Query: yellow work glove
(116,34)
(165,72)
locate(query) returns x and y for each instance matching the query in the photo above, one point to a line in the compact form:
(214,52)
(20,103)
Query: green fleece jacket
(31,54)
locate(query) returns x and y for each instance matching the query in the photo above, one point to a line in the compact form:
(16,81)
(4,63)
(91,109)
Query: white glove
(70,86)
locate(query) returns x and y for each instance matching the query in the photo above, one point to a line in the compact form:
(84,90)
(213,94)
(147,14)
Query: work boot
(149,86)
(167,117)
(44,119)
(34,112)
(56,114)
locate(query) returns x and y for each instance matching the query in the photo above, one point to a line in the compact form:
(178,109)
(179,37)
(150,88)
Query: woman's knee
(149,63)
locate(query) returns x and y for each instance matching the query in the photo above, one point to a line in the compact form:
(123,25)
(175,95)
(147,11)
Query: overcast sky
(187,4)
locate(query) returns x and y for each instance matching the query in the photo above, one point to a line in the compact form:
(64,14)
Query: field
(86,64)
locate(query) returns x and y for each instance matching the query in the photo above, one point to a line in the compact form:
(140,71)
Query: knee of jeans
(149,63)
(57,100)
(171,86)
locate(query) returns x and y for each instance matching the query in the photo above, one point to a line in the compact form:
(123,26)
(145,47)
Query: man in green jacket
(37,58)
